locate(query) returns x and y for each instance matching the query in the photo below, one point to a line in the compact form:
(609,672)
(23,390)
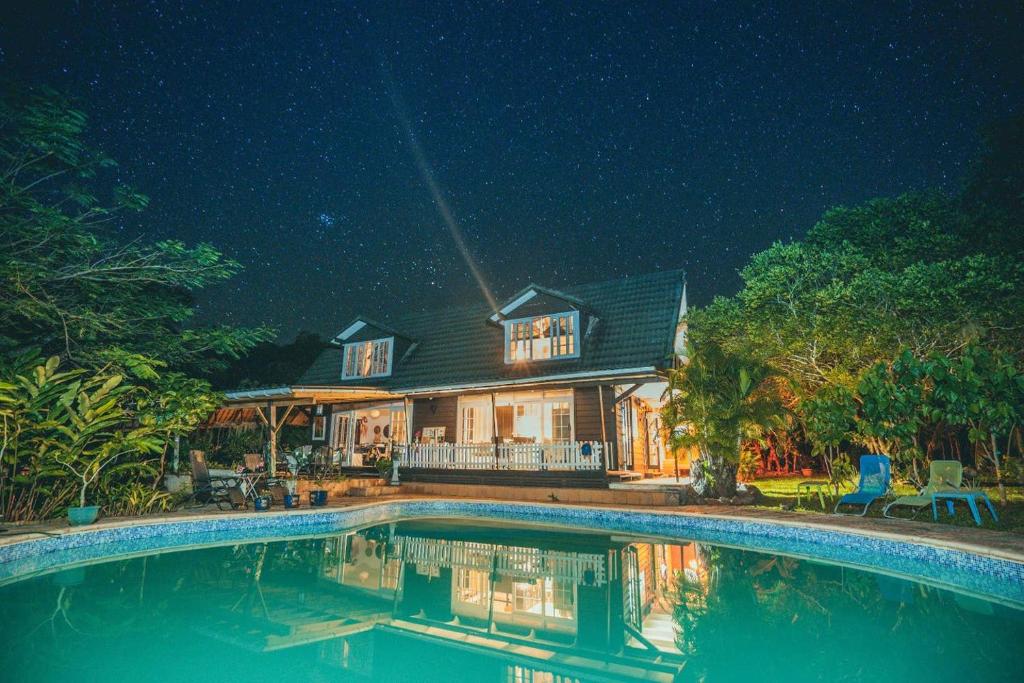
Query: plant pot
(261,503)
(318,498)
(81,516)
(807,472)
(291,501)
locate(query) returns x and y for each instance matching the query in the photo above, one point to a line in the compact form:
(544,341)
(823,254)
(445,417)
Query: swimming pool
(456,590)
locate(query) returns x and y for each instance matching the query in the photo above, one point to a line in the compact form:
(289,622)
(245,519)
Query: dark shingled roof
(637,318)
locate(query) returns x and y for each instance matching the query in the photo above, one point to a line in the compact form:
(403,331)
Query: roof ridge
(533,283)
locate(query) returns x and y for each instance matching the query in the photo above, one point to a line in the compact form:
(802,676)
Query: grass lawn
(780,492)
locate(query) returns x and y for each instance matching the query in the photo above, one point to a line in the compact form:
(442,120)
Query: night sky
(572,142)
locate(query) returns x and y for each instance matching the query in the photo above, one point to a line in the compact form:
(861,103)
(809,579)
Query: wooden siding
(442,411)
(588,414)
(436,412)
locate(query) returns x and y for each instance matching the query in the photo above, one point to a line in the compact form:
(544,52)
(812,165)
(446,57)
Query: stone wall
(544,495)
(337,489)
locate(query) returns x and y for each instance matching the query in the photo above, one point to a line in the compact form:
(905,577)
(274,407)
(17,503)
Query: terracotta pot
(807,472)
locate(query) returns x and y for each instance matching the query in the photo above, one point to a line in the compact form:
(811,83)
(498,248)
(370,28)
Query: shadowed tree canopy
(69,284)
(917,271)
(270,364)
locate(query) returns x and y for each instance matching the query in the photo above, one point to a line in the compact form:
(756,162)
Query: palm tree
(716,401)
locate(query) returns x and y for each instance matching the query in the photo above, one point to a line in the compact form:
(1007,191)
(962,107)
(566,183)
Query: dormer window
(368,358)
(542,337)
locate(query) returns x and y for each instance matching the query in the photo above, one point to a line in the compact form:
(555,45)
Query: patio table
(248,481)
(970,496)
(812,486)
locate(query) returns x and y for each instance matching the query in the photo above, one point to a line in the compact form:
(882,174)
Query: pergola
(274,406)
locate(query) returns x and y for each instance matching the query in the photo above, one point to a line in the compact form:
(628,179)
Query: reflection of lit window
(527,597)
(515,673)
(471,587)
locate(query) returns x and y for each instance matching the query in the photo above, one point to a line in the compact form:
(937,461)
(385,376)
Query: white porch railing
(510,561)
(573,456)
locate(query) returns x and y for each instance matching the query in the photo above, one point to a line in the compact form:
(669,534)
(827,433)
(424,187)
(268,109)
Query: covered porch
(587,432)
(279,406)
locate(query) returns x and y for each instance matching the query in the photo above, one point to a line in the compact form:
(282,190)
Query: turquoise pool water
(463,601)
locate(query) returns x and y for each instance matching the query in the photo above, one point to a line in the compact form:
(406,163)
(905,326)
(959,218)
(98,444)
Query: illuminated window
(535,416)
(367,359)
(560,421)
(319,424)
(542,337)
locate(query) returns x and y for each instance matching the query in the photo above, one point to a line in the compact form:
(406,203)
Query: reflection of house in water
(489,603)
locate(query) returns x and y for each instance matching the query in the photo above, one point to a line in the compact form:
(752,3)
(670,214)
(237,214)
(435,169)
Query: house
(558,387)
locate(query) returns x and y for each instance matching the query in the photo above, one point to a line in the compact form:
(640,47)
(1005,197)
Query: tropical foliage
(99,369)
(895,326)
(716,402)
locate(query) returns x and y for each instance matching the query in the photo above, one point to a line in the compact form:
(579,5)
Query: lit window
(542,337)
(367,359)
(561,422)
(469,415)
(319,424)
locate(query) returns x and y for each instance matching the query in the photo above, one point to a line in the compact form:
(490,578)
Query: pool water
(457,601)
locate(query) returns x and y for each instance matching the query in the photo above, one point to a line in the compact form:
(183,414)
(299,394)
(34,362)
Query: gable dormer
(369,349)
(540,324)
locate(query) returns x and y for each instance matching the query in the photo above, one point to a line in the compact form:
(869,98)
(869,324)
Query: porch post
(273,436)
(604,430)
(494,427)
(407,404)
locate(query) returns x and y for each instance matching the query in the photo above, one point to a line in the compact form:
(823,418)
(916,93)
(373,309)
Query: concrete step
(364,491)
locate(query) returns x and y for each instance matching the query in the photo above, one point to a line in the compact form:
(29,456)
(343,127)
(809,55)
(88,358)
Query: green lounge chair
(943,475)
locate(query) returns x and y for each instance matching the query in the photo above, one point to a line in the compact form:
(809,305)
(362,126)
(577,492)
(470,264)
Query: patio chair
(208,489)
(875,476)
(943,475)
(254,462)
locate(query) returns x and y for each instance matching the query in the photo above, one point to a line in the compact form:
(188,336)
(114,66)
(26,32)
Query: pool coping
(1010,547)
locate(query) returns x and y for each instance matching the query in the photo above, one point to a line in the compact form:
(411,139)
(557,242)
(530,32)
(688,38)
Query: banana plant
(91,428)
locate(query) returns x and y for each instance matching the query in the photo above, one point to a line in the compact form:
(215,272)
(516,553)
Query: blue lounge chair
(875,475)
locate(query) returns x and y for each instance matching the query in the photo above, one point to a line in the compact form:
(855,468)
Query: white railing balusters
(574,456)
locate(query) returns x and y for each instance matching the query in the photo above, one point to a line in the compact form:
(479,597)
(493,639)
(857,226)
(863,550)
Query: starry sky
(569,142)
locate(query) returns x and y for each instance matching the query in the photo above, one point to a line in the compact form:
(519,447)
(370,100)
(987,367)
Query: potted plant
(318,496)
(384,467)
(90,430)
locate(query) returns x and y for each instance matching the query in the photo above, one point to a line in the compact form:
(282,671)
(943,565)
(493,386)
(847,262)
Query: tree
(174,407)
(893,409)
(829,420)
(67,284)
(715,402)
(866,283)
(983,390)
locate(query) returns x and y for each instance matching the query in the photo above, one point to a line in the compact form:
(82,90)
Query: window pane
(542,337)
(561,423)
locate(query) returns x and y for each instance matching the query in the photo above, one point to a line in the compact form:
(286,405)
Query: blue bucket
(318,498)
(261,503)
(291,501)
(82,516)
